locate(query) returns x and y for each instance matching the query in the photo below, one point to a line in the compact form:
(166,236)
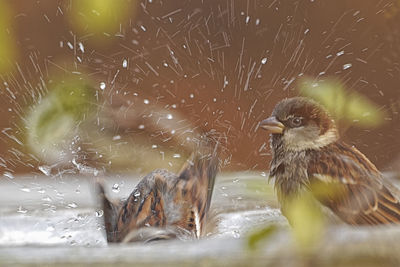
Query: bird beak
(272,125)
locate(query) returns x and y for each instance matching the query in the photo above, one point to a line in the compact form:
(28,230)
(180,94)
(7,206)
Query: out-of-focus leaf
(261,235)
(75,97)
(53,122)
(100,17)
(307,221)
(7,44)
(323,190)
(257,185)
(349,107)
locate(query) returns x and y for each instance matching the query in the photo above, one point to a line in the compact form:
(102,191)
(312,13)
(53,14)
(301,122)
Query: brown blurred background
(221,65)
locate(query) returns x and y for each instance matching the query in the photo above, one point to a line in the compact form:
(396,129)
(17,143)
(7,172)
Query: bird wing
(343,179)
(145,205)
(163,199)
(194,187)
(111,210)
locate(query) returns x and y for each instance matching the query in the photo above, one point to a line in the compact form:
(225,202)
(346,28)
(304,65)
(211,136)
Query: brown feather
(178,204)
(363,198)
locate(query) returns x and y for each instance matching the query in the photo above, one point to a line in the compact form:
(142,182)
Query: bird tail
(196,181)
(111,211)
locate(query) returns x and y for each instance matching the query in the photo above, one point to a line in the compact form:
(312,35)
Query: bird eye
(296,121)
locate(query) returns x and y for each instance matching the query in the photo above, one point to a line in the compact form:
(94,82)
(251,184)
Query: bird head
(300,123)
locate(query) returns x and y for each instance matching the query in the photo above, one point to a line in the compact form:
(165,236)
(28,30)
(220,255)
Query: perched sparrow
(306,152)
(164,205)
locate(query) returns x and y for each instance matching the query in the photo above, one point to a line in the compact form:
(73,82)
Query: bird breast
(290,172)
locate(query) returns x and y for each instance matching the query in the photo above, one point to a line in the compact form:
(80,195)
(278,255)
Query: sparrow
(164,205)
(307,155)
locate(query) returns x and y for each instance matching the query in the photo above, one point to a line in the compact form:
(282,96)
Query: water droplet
(226,82)
(102,85)
(41,191)
(9,175)
(46,170)
(72,205)
(115,188)
(125,63)
(257,21)
(116,137)
(340,53)
(136,194)
(146,101)
(81,47)
(264,60)
(47,199)
(236,234)
(170,117)
(263,174)
(141,126)
(25,189)
(347,66)
(154,146)
(191,95)
(22,210)
(99,213)
(176,156)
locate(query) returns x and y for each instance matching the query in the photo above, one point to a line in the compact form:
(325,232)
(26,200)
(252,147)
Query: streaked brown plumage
(308,155)
(165,205)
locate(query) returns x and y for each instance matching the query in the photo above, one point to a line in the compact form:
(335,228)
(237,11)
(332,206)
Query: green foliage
(306,219)
(261,235)
(52,123)
(100,17)
(7,50)
(74,97)
(257,185)
(344,106)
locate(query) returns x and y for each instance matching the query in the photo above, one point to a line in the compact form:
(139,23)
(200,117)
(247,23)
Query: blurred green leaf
(261,235)
(257,185)
(75,97)
(53,122)
(349,107)
(7,43)
(306,219)
(101,17)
